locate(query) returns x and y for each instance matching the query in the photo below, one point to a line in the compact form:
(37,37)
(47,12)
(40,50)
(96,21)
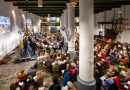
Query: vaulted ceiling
(56,7)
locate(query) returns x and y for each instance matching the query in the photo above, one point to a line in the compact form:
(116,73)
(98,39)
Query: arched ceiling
(56,7)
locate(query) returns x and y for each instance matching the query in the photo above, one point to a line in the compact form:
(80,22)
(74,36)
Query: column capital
(73,4)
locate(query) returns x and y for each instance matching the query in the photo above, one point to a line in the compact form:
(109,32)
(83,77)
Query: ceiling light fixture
(39,3)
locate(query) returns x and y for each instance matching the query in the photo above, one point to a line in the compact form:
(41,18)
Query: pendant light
(39,3)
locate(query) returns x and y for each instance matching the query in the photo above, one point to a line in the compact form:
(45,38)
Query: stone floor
(9,72)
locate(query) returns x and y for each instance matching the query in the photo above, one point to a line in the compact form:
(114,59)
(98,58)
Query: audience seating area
(53,69)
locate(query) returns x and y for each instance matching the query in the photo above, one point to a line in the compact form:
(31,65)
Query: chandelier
(121,23)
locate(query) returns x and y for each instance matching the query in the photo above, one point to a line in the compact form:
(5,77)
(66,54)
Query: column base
(82,85)
(72,54)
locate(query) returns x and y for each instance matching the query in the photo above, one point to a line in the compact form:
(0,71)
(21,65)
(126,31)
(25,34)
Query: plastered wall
(8,41)
(123,37)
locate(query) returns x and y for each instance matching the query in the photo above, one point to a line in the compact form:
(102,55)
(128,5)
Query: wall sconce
(13,14)
(48,19)
(57,19)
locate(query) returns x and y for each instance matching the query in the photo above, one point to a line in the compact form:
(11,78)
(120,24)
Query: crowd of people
(53,58)
(111,61)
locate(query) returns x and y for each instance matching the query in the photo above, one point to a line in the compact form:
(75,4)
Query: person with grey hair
(69,86)
(45,86)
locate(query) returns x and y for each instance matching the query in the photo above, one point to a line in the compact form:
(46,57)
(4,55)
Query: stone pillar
(86,79)
(61,24)
(62,27)
(62,20)
(65,21)
(71,27)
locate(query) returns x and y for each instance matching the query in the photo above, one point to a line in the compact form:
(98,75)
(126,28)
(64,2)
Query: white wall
(123,37)
(8,41)
(37,24)
(99,18)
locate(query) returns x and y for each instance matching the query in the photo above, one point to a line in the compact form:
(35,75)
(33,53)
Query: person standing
(25,44)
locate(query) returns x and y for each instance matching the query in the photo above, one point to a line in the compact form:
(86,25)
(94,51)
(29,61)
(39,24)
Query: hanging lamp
(39,3)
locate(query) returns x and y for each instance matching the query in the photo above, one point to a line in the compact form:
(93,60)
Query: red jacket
(117,81)
(103,55)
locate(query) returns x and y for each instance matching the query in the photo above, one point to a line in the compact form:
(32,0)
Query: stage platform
(25,57)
